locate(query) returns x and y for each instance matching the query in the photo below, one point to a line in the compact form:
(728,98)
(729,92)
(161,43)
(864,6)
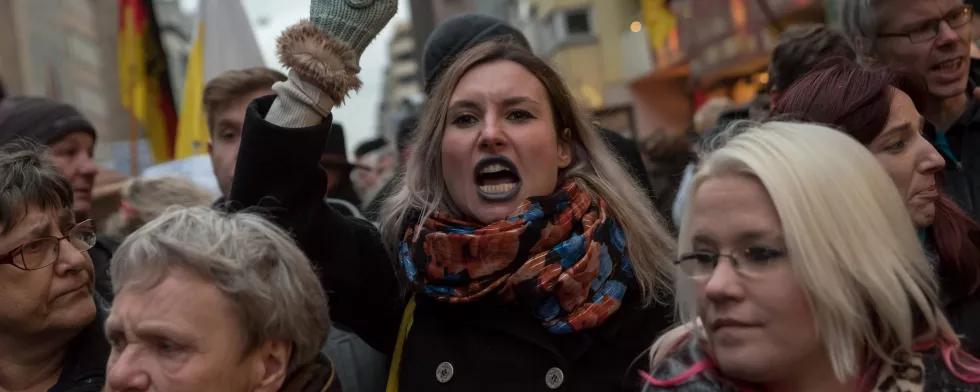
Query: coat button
(444,372)
(554,378)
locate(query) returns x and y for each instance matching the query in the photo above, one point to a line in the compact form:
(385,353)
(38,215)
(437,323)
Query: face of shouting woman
(500,145)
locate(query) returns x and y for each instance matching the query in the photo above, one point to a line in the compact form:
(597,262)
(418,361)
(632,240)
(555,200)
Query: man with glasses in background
(930,40)
(51,318)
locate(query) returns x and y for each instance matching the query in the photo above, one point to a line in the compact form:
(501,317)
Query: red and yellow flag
(144,79)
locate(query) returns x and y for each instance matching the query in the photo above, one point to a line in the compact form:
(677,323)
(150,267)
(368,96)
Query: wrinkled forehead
(32,222)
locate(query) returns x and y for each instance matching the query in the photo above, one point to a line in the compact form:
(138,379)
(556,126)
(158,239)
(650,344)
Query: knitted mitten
(326,50)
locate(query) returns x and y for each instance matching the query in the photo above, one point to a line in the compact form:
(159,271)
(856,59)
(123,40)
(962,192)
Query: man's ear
(271,365)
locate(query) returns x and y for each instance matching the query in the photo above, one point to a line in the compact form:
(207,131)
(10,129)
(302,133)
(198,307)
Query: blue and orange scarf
(561,255)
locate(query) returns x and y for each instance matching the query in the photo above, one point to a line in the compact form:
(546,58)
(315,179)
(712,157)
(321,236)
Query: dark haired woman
(879,110)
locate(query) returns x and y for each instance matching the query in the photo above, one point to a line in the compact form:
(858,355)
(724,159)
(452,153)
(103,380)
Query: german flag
(144,79)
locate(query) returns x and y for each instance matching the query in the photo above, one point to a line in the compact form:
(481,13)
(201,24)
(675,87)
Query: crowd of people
(822,238)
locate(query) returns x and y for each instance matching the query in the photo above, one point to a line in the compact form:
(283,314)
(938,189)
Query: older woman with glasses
(50,316)
(814,282)
(228,299)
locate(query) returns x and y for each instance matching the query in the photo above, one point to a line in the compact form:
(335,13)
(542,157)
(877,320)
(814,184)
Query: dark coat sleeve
(278,171)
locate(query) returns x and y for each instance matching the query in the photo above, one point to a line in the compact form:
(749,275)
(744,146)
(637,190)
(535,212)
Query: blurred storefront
(729,47)
(709,48)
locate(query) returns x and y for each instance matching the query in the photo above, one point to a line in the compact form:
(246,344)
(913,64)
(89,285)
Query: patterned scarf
(560,255)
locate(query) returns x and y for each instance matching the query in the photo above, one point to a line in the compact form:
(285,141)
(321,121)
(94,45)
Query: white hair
(269,281)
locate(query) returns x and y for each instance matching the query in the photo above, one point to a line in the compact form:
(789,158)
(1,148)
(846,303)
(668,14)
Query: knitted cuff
(298,104)
(320,59)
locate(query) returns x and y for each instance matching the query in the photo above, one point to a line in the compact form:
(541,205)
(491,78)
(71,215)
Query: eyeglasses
(929,29)
(753,262)
(42,252)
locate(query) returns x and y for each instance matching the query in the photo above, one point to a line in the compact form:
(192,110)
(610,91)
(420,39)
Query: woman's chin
(489,212)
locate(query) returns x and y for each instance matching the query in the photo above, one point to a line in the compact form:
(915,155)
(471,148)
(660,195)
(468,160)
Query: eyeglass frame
(10,256)
(778,253)
(935,25)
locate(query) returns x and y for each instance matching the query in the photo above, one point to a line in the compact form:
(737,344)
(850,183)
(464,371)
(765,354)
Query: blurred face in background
(72,155)
(374,170)
(226,136)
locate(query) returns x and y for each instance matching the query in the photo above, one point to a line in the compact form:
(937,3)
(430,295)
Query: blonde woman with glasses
(800,270)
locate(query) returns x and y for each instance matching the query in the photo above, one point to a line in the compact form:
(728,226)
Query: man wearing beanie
(70,140)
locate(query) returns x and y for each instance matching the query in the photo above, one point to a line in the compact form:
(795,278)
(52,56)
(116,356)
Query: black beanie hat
(40,119)
(369,146)
(459,33)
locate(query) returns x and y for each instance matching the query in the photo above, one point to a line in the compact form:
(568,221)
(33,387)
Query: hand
(326,50)
(353,22)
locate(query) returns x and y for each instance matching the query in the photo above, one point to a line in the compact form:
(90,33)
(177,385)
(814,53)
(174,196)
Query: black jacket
(84,366)
(960,306)
(962,173)
(101,254)
(485,346)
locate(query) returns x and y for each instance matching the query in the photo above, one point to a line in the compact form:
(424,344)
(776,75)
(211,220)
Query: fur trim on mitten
(319,59)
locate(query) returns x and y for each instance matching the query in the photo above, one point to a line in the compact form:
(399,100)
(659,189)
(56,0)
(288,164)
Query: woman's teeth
(498,188)
(493,168)
(950,65)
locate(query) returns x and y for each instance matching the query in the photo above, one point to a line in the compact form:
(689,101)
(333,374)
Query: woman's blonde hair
(850,240)
(423,189)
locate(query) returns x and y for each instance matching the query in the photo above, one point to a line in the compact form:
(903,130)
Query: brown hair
(847,96)
(235,83)
(801,48)
(423,191)
(28,179)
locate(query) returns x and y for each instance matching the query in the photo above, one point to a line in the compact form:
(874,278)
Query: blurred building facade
(402,87)
(582,39)
(67,50)
(697,53)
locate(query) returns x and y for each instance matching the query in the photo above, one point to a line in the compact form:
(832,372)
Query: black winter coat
(962,172)
(101,255)
(485,346)
(84,366)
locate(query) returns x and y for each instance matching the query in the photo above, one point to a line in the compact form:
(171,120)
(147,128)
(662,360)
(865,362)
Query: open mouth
(948,65)
(496,179)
